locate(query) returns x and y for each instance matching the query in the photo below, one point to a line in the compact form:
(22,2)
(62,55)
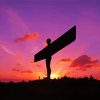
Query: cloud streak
(15,19)
(5,49)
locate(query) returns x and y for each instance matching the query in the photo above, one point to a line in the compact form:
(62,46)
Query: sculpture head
(48,41)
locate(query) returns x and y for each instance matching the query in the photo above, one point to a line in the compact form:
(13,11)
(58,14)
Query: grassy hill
(56,89)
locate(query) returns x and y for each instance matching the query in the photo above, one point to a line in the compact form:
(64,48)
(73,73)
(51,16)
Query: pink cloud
(29,36)
(83,62)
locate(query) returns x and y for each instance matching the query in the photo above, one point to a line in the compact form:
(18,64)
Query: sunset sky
(26,24)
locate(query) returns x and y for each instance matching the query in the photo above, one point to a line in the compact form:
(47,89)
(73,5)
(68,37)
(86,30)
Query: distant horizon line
(27,80)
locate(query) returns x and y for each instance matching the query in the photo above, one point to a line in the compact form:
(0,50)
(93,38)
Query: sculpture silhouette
(52,48)
(48,60)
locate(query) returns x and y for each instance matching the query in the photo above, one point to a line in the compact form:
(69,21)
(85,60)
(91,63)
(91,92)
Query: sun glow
(54,76)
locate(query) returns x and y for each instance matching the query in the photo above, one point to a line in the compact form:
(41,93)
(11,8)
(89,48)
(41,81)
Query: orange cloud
(24,71)
(29,36)
(64,60)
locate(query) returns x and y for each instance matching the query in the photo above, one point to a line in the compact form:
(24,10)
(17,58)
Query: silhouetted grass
(56,89)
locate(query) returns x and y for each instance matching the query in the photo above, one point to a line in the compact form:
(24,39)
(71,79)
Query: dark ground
(60,89)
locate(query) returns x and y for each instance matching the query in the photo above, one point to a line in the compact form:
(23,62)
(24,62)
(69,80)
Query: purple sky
(49,19)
